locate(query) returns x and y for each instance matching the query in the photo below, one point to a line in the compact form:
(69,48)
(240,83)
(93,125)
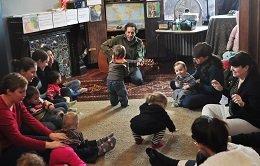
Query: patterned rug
(98,89)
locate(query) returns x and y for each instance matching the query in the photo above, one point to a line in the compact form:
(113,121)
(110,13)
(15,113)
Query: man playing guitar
(134,51)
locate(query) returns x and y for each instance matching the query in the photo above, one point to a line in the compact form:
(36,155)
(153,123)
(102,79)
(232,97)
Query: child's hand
(51,107)
(186,86)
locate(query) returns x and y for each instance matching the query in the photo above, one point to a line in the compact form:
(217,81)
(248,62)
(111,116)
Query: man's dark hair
(130,24)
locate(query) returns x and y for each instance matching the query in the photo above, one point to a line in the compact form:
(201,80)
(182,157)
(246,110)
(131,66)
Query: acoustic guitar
(103,62)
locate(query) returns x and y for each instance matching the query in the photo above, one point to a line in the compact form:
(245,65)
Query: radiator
(176,44)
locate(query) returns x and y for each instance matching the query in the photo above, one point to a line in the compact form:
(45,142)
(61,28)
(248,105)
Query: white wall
(17,7)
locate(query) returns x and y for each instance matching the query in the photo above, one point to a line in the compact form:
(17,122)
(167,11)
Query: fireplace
(68,44)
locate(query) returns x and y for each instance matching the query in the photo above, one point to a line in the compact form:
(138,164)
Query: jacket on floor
(152,119)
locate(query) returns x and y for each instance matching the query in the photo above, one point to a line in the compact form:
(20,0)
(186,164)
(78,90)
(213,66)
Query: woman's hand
(238,100)
(54,144)
(58,136)
(216,85)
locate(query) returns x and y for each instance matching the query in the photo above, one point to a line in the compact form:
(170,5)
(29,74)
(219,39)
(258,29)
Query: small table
(172,44)
(220,27)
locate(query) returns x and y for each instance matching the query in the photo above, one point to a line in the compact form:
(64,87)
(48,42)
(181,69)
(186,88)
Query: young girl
(54,93)
(182,84)
(43,110)
(87,150)
(153,119)
(118,70)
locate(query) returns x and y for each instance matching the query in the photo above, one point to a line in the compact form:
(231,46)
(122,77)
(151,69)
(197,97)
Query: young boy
(182,84)
(118,70)
(87,150)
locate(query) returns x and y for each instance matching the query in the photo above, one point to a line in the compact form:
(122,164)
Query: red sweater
(10,123)
(53,90)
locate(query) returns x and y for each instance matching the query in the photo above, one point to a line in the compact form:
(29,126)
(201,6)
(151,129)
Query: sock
(106,146)
(104,139)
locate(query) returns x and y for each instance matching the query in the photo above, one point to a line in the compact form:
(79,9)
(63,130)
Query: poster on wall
(93,2)
(83,15)
(45,20)
(95,13)
(153,9)
(59,19)
(30,23)
(72,16)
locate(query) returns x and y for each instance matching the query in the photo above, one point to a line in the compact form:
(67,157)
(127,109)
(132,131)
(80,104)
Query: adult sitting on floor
(134,51)
(41,82)
(27,67)
(73,86)
(211,138)
(13,113)
(242,115)
(208,68)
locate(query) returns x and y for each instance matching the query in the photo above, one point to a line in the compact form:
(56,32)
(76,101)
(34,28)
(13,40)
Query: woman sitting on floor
(13,113)
(242,115)
(53,65)
(211,138)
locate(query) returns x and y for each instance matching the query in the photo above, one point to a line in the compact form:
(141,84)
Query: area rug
(97,89)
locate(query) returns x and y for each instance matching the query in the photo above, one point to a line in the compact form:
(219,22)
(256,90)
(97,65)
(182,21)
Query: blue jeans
(195,101)
(117,92)
(136,76)
(73,86)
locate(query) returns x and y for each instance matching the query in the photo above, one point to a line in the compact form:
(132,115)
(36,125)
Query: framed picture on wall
(153,9)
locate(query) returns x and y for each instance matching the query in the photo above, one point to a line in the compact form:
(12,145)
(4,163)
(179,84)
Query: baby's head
(54,77)
(180,68)
(157,98)
(30,159)
(70,121)
(32,96)
(119,52)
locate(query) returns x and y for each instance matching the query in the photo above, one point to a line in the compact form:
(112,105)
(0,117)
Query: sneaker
(83,90)
(139,141)
(157,146)
(67,99)
(72,103)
